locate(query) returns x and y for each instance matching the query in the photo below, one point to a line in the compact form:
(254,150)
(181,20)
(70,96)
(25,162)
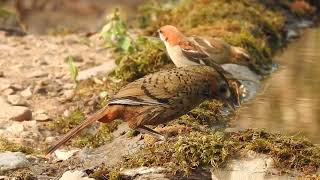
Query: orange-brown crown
(171,34)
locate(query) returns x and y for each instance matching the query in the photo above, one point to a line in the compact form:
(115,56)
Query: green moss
(207,113)
(106,173)
(288,152)
(102,136)
(148,57)
(201,149)
(5,145)
(64,124)
(186,153)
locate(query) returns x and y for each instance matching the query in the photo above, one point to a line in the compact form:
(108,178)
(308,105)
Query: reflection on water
(290,99)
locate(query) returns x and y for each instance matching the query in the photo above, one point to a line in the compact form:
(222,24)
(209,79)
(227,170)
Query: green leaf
(73,69)
(126,44)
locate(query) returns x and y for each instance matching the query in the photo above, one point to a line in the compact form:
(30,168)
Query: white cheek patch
(162,37)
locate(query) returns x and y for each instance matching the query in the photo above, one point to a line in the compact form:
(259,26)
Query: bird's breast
(178,58)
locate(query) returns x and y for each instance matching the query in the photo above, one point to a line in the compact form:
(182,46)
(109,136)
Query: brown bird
(186,51)
(158,98)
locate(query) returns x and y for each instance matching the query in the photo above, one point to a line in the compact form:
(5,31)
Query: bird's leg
(146,130)
(238,94)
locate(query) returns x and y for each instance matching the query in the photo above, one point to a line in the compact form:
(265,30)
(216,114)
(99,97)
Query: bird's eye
(223,89)
(159,31)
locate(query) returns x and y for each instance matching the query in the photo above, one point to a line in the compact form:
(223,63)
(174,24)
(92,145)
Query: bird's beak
(230,104)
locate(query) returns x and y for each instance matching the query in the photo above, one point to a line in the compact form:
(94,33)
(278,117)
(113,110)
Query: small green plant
(134,57)
(73,69)
(115,33)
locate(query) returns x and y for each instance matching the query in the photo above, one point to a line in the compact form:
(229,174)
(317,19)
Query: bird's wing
(217,49)
(134,94)
(193,52)
(161,88)
(211,45)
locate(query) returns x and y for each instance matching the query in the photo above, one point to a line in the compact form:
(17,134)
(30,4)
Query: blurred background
(43,16)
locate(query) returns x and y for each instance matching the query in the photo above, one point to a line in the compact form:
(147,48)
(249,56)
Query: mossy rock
(291,154)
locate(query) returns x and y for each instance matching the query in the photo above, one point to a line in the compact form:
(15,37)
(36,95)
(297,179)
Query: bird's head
(220,90)
(170,35)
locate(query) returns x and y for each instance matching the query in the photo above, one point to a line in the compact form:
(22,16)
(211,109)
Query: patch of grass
(6,145)
(65,124)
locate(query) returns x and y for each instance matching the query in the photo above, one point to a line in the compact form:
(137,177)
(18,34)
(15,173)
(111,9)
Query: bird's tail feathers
(75,131)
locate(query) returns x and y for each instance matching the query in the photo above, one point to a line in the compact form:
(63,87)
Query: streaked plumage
(158,98)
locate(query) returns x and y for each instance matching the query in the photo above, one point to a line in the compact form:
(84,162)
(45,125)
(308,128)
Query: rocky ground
(36,86)
(35,81)
(36,89)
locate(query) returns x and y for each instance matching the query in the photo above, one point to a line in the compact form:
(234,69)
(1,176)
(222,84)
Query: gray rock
(16,87)
(4,84)
(14,130)
(111,153)
(8,92)
(104,68)
(40,89)
(27,93)
(16,113)
(251,166)
(16,100)
(75,175)
(292,34)
(145,173)
(62,154)
(41,117)
(41,62)
(68,94)
(250,80)
(304,24)
(162,173)
(37,74)
(69,86)
(12,160)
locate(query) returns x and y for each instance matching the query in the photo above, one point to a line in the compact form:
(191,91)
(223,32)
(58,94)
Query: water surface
(289,102)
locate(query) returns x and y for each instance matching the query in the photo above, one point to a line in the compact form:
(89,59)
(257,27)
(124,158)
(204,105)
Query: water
(289,102)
